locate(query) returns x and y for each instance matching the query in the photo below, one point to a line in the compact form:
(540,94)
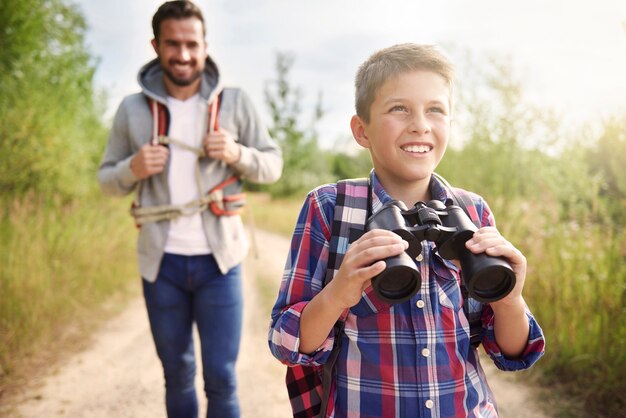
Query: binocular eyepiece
(486,278)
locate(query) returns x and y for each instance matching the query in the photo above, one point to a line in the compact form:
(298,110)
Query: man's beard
(182,82)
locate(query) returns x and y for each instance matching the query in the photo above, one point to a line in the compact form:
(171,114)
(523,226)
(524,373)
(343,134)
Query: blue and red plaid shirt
(408,359)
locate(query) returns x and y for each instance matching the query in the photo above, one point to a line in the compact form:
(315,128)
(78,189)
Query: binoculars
(486,278)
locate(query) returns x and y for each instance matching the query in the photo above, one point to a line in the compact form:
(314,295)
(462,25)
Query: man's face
(181,50)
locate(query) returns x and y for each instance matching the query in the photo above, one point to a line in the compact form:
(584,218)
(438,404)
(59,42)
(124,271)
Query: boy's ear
(155,45)
(358,131)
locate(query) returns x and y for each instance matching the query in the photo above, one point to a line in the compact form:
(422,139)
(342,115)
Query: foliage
(303,168)
(59,261)
(49,120)
(606,158)
(63,248)
(346,166)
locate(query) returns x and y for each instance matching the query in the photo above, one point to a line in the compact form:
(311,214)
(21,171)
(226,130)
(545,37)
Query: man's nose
(184,53)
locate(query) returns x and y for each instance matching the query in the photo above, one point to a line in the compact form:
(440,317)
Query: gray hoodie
(260,162)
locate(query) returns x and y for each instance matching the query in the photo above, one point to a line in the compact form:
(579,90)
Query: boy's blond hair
(392,61)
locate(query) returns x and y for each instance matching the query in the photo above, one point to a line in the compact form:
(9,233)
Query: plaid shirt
(407,359)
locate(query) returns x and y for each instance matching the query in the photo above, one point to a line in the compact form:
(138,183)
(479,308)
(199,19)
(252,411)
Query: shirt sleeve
(535,347)
(303,278)
(114,174)
(261,159)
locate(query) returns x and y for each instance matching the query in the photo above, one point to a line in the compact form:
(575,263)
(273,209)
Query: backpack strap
(353,207)
(222,200)
(161,123)
(471,307)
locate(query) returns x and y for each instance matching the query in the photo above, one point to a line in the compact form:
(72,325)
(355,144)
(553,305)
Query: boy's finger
(373,254)
(368,272)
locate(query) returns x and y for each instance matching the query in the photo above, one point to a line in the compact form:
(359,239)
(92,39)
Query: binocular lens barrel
(399,281)
(487,279)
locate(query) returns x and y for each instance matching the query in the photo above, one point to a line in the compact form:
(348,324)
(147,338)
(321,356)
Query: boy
(412,358)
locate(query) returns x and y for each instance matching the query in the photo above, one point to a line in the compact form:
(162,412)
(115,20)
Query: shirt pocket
(448,281)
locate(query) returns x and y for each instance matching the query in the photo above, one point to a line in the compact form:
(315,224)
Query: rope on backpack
(220,200)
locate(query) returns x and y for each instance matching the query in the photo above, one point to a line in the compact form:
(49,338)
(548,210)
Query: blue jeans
(188,289)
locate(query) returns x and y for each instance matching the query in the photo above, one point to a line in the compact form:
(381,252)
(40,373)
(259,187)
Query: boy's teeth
(416,148)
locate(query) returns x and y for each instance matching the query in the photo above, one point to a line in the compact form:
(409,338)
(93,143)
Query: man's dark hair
(178,9)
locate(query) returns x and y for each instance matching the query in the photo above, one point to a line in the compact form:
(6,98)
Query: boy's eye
(398,108)
(436,109)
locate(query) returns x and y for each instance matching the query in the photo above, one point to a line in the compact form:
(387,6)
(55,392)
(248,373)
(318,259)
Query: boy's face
(409,127)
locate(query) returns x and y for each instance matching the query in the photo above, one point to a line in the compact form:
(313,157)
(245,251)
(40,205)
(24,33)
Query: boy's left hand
(489,241)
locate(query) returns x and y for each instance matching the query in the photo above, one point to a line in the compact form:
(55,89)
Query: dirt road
(120,376)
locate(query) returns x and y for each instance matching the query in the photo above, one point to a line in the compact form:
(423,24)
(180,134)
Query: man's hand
(149,160)
(221,145)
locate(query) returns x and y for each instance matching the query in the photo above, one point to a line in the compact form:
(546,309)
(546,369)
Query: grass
(276,215)
(60,263)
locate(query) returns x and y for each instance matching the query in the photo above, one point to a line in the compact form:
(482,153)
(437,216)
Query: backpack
(309,387)
(222,200)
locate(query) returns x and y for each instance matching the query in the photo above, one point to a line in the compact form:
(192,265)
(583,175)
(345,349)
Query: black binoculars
(486,278)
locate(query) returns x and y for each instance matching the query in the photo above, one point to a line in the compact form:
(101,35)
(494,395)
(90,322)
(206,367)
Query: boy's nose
(419,124)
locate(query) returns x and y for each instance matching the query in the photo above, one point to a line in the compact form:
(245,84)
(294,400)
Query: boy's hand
(221,145)
(149,160)
(489,241)
(362,262)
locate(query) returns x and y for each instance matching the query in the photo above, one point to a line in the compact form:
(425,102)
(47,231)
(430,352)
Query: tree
(49,120)
(304,165)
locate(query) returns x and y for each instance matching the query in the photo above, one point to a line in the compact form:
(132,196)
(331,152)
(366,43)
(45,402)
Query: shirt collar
(379,196)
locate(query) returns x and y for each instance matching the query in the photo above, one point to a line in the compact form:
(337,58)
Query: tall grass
(278,215)
(59,261)
(576,287)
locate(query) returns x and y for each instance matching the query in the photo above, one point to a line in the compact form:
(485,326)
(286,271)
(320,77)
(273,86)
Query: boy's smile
(408,131)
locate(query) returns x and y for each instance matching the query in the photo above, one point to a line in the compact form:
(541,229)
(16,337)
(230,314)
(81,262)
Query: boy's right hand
(362,262)
(149,160)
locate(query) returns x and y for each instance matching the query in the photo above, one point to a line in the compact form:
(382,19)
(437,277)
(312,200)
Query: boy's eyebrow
(395,99)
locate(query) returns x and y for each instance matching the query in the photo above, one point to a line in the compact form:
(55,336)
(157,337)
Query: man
(174,144)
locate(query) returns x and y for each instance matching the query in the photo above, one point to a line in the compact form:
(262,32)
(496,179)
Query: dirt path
(120,376)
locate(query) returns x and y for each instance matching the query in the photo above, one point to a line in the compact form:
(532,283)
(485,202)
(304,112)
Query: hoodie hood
(150,79)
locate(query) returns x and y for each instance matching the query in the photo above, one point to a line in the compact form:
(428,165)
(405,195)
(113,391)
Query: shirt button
(419,257)
(420,304)
(429,404)
(426,352)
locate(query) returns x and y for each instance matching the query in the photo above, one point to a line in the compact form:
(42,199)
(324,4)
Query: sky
(569,55)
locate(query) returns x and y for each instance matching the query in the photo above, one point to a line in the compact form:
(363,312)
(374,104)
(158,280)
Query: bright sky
(569,54)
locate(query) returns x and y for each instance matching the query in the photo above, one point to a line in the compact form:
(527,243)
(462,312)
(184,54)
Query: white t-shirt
(186,235)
